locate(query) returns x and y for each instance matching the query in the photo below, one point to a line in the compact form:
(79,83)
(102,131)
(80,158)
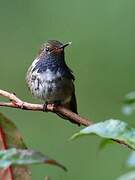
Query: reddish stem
(8,172)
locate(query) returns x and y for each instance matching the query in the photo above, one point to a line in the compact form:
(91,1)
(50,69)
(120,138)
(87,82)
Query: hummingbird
(50,79)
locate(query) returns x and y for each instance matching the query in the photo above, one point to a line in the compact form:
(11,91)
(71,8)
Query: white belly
(50,87)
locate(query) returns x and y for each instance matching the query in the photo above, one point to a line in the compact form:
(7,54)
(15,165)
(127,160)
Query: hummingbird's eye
(47,49)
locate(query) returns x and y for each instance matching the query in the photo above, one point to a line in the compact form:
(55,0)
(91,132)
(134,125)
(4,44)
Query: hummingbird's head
(53,47)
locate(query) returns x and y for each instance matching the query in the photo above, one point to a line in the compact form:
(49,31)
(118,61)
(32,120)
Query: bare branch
(15,102)
(18,103)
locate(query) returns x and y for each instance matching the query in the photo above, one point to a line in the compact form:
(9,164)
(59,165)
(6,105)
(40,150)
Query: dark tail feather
(73,104)
(73,107)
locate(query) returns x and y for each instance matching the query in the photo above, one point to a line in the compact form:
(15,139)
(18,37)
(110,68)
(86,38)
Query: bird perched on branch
(50,79)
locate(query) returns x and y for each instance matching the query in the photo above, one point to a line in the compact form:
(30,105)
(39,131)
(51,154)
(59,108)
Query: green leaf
(104,143)
(13,138)
(129,103)
(15,156)
(131,160)
(130,98)
(128,109)
(128,176)
(111,129)
(12,134)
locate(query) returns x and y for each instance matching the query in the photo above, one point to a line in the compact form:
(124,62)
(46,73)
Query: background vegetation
(102,57)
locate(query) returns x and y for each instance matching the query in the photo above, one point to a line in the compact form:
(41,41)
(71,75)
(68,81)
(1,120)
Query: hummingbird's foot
(45,107)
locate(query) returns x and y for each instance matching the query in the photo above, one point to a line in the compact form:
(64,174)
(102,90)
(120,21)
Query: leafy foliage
(12,138)
(15,156)
(130,163)
(111,129)
(128,176)
(131,160)
(14,152)
(129,103)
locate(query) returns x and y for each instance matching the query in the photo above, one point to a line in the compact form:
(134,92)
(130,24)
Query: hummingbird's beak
(65,45)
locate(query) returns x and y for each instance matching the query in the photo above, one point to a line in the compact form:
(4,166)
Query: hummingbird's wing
(69,73)
(72,105)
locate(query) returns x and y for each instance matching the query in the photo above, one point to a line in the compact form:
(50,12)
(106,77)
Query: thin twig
(15,102)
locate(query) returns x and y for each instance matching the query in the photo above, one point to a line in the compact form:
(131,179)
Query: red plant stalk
(7,173)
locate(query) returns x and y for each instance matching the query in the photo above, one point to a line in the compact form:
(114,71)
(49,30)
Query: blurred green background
(102,57)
